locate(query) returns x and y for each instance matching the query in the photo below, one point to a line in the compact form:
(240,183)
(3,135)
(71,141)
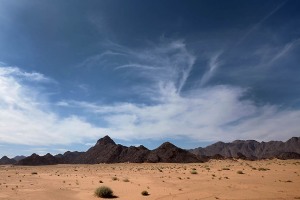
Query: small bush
(194,172)
(145,193)
(240,172)
(126,180)
(34,173)
(225,168)
(114,178)
(262,169)
(104,192)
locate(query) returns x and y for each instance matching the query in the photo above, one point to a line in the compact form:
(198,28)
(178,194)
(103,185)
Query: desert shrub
(104,192)
(240,172)
(114,178)
(126,180)
(194,172)
(34,173)
(262,169)
(145,193)
(225,168)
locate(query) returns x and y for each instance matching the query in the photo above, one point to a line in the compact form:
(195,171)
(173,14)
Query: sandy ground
(268,179)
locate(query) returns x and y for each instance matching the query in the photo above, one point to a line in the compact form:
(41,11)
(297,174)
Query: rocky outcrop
(7,161)
(251,149)
(169,153)
(18,158)
(107,151)
(35,159)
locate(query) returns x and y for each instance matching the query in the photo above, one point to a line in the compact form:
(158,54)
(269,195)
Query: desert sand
(216,179)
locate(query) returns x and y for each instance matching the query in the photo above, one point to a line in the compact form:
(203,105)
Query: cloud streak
(258,24)
(167,63)
(214,63)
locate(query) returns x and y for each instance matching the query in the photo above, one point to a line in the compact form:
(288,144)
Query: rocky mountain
(169,153)
(7,161)
(68,157)
(107,151)
(252,150)
(18,158)
(35,159)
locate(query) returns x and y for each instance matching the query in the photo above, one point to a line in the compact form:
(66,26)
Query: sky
(145,72)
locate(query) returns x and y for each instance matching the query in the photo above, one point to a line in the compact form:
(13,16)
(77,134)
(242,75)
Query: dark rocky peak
(238,141)
(105,140)
(142,147)
(18,158)
(5,160)
(218,144)
(167,145)
(294,139)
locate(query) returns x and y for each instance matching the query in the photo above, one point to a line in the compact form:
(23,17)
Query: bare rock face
(251,149)
(107,151)
(288,155)
(18,158)
(7,161)
(169,153)
(35,159)
(69,157)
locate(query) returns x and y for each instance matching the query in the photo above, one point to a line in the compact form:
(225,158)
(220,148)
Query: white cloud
(26,119)
(215,113)
(203,113)
(18,73)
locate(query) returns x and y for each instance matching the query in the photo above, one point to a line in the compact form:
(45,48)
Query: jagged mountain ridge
(35,159)
(107,151)
(252,149)
(7,161)
(18,158)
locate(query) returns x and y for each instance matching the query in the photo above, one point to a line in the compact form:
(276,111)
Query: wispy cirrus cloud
(220,112)
(258,24)
(214,63)
(283,51)
(169,61)
(202,113)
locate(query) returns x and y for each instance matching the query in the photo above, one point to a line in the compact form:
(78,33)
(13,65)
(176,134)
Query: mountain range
(252,150)
(107,151)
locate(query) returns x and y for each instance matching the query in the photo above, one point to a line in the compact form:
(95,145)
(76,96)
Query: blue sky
(145,72)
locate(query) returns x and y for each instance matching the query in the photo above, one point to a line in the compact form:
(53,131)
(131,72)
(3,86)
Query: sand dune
(216,179)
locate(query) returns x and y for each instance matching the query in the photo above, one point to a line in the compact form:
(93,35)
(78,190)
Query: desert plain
(216,179)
